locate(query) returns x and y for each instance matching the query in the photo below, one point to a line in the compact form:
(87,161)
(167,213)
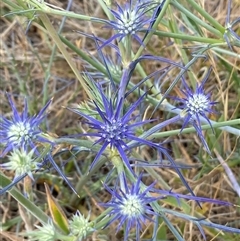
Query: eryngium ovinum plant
(126,146)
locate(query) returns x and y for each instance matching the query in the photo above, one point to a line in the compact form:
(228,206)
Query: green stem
(13,5)
(208,17)
(187,37)
(184,56)
(128,51)
(102,220)
(20,8)
(50,63)
(154,27)
(41,7)
(57,40)
(105,8)
(196,19)
(192,129)
(22,4)
(92,62)
(221,51)
(118,164)
(77,142)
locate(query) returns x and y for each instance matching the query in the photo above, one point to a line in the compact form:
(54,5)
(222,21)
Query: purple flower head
(21,131)
(113,126)
(196,105)
(130,19)
(130,206)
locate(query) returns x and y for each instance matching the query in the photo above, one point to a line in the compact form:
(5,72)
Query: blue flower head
(22,130)
(130,206)
(130,19)
(113,127)
(21,134)
(196,105)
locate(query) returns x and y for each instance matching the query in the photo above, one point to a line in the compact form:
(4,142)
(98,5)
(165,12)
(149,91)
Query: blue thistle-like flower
(22,130)
(130,206)
(196,105)
(129,20)
(115,128)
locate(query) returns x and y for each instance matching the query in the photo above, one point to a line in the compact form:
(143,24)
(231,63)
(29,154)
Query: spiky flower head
(196,105)
(80,226)
(21,162)
(22,130)
(113,127)
(130,205)
(47,232)
(130,19)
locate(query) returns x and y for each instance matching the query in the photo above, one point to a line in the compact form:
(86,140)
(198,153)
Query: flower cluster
(117,129)
(20,136)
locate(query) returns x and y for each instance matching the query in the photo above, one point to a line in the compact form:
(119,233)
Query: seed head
(80,226)
(21,162)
